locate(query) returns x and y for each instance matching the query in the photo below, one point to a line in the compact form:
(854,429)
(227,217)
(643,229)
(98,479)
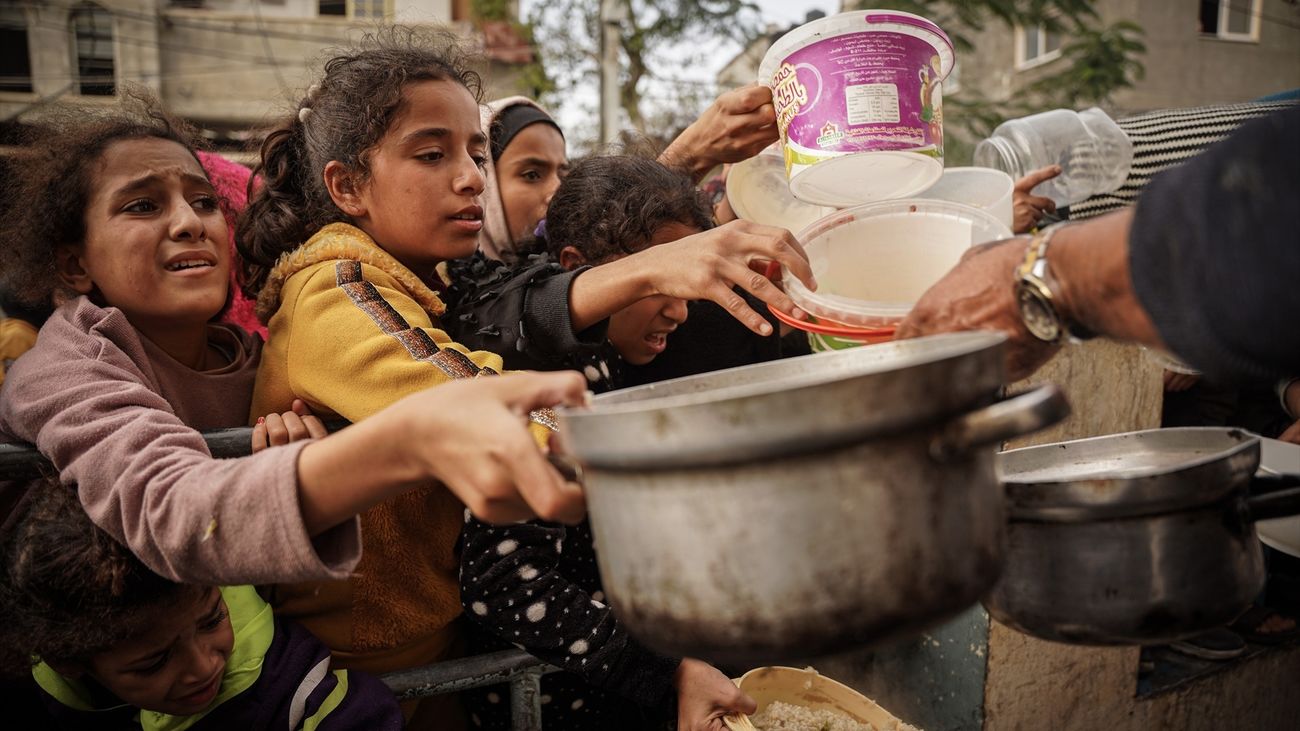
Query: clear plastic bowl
(873,262)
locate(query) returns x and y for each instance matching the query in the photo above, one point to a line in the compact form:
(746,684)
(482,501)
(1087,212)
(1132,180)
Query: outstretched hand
(979,294)
(737,126)
(472,435)
(710,264)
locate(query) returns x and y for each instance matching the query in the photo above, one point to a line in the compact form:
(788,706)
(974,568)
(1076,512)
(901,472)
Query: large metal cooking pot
(1133,538)
(795,551)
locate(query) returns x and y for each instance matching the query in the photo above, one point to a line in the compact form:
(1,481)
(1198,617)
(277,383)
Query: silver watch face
(1038,315)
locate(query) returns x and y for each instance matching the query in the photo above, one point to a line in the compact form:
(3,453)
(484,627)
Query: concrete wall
(266,8)
(404,11)
(422,11)
(1183,67)
(222,70)
(229,65)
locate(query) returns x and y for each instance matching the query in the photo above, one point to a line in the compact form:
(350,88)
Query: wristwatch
(1039,296)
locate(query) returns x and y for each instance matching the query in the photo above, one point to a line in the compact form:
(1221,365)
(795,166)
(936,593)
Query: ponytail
(286,209)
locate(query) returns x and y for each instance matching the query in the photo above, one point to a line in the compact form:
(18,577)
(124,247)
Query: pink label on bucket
(860,92)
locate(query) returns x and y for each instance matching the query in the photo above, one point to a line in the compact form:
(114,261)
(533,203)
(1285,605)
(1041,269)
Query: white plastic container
(759,191)
(859,105)
(983,188)
(1094,153)
(873,262)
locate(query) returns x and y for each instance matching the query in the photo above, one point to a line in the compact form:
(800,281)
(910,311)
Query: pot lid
(1127,475)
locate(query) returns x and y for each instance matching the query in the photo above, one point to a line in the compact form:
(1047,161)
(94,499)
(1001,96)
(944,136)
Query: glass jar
(1093,152)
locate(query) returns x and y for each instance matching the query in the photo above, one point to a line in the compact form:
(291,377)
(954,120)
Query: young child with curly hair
(112,645)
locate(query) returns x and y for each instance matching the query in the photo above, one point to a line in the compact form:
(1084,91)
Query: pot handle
(1279,503)
(1017,416)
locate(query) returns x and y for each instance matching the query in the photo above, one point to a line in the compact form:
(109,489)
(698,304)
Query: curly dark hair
(612,205)
(46,204)
(342,117)
(68,590)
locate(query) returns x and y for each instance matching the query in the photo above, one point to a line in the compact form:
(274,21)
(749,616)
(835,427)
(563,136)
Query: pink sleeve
(149,480)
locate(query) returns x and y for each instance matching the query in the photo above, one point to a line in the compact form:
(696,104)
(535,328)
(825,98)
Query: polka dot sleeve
(518,583)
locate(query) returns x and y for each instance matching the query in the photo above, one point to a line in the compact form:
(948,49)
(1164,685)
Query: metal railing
(521,671)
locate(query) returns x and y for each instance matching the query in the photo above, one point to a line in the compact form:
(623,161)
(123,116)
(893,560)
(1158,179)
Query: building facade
(1209,52)
(1214,51)
(227,65)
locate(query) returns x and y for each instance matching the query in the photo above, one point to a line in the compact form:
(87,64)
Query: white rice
(780,716)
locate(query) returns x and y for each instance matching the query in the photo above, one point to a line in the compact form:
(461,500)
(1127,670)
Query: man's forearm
(1091,262)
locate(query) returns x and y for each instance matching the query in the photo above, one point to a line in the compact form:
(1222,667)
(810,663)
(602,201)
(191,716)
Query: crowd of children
(404,248)
(127,578)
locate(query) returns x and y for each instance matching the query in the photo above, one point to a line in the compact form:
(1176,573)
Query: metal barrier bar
(453,676)
(522,671)
(23,462)
(526,700)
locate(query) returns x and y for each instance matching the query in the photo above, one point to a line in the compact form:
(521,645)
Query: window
(15,62)
(1036,45)
(372,9)
(1234,20)
(365,9)
(92,27)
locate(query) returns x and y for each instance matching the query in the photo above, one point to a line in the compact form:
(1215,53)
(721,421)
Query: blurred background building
(230,66)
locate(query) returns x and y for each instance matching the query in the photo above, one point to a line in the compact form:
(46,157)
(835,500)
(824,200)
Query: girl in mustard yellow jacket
(371,185)
(368,187)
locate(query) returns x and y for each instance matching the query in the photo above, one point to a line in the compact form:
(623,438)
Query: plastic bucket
(984,188)
(758,191)
(859,105)
(873,262)
(810,689)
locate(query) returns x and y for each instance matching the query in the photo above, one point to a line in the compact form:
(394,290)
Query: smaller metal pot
(1134,538)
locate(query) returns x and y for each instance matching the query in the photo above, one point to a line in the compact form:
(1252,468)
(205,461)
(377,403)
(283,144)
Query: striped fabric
(416,341)
(1165,138)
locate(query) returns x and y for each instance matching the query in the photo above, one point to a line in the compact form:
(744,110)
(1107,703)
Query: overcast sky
(785,12)
(577,116)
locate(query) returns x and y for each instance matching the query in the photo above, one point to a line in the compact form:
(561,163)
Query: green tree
(533,76)
(1096,61)
(658,39)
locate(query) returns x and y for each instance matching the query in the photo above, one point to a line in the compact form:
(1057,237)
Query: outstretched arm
(1202,266)
(737,126)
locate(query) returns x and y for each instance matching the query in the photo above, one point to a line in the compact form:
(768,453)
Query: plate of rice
(778,716)
(790,699)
